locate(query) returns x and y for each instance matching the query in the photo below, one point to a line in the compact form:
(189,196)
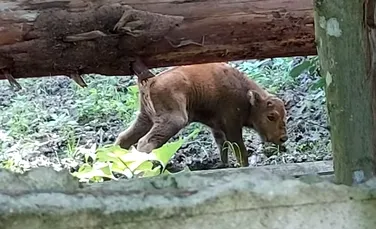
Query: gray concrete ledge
(249,198)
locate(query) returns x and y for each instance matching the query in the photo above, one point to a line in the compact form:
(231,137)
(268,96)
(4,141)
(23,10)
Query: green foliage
(51,120)
(320,84)
(72,145)
(8,164)
(111,159)
(271,73)
(100,100)
(308,64)
(20,117)
(234,148)
(312,66)
(38,115)
(132,99)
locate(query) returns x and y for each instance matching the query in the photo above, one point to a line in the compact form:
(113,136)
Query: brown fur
(214,94)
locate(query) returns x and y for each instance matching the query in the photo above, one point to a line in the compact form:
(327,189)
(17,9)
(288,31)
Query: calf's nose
(283,139)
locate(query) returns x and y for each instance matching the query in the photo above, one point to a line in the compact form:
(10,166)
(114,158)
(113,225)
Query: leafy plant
(111,160)
(99,101)
(311,64)
(271,73)
(320,84)
(53,114)
(132,100)
(72,145)
(234,148)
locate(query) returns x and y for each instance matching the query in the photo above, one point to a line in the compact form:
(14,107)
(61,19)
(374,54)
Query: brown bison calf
(214,94)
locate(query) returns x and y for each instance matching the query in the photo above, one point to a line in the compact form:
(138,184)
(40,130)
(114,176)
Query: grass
(272,76)
(58,118)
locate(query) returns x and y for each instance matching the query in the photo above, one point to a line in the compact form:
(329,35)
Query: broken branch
(140,70)
(13,83)
(78,79)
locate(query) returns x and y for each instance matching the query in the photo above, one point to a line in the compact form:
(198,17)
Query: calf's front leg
(163,129)
(134,132)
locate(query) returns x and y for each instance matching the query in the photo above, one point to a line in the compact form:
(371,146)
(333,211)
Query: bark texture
(70,37)
(346,51)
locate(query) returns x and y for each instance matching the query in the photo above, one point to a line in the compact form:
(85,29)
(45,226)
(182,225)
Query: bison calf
(214,94)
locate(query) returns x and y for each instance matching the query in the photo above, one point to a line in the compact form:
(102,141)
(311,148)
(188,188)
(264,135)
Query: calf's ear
(254,97)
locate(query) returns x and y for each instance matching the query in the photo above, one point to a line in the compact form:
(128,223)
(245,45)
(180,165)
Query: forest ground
(50,119)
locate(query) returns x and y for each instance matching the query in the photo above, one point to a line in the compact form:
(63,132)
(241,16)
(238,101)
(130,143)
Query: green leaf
(152,172)
(193,135)
(110,153)
(118,151)
(319,84)
(104,156)
(133,166)
(119,168)
(146,165)
(98,170)
(135,155)
(312,69)
(106,169)
(133,89)
(298,69)
(84,168)
(186,169)
(126,172)
(165,153)
(112,158)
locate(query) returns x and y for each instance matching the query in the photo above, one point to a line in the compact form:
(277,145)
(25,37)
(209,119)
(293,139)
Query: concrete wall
(235,198)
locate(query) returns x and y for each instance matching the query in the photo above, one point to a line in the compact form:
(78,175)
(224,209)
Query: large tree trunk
(43,38)
(346,51)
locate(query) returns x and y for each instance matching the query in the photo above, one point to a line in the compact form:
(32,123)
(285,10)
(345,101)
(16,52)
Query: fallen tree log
(72,37)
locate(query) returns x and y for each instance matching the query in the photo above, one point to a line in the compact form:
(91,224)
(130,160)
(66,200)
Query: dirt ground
(43,123)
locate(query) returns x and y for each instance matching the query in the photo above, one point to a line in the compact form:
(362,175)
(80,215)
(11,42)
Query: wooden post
(347,63)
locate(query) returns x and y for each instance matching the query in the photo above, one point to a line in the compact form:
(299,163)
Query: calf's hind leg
(164,128)
(134,132)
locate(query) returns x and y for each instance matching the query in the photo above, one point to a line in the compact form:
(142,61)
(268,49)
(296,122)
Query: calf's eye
(271,117)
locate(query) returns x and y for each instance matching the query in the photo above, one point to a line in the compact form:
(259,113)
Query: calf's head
(268,117)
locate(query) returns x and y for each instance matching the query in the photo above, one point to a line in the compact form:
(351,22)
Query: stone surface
(232,198)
